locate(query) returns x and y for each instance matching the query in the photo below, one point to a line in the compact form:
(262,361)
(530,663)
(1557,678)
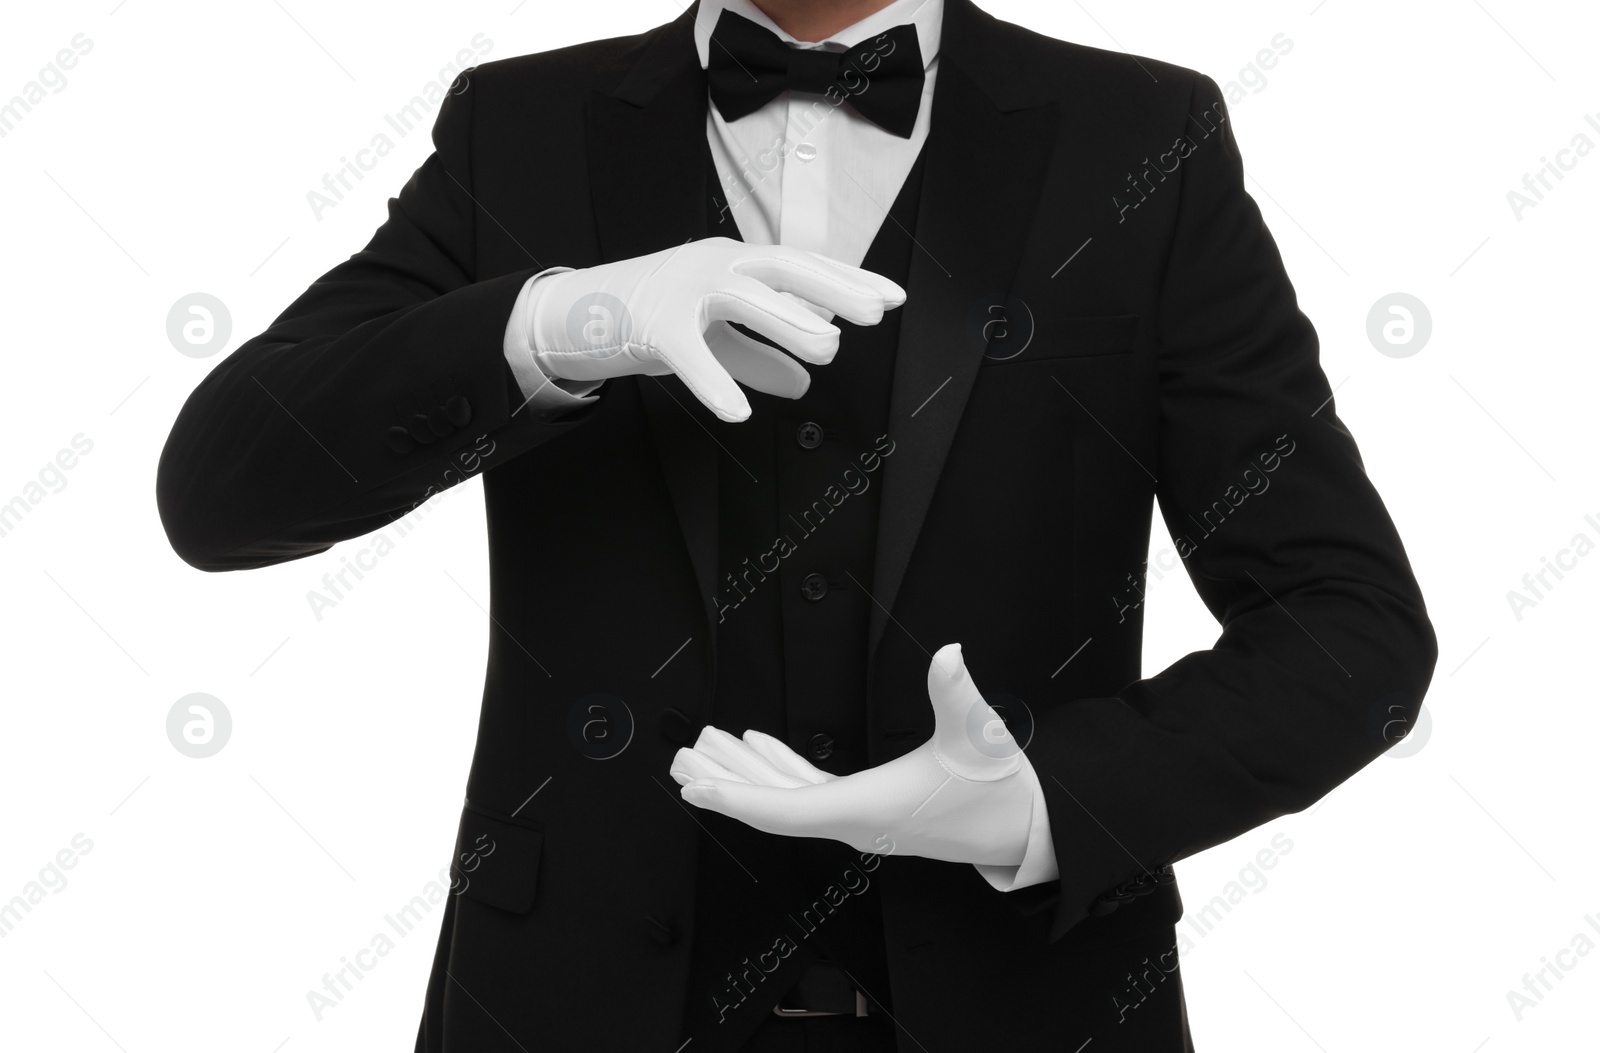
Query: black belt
(824,989)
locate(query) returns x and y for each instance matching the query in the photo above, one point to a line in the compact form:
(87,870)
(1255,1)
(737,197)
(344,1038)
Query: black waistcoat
(799,484)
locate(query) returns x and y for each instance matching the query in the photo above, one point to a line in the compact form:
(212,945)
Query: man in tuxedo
(797,343)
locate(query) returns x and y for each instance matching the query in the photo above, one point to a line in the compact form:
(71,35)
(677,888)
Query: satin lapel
(646,144)
(988,149)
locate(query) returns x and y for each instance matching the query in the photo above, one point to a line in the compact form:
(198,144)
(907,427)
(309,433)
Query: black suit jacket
(1097,201)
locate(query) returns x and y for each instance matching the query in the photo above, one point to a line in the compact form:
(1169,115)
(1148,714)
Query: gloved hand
(669,312)
(967,795)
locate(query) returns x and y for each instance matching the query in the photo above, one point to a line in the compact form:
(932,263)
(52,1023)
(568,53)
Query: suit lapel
(988,148)
(646,147)
(987,152)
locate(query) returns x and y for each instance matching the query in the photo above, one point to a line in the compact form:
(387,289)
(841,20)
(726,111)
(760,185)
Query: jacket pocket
(1055,337)
(497,858)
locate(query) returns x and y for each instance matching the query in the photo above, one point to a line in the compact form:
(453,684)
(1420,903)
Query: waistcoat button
(675,727)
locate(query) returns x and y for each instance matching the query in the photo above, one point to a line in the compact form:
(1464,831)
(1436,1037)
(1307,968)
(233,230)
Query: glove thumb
(968,735)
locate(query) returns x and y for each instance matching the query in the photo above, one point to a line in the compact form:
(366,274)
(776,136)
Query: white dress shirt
(804,172)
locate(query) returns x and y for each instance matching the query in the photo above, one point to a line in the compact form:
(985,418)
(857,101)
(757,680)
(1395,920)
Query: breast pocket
(497,859)
(1035,335)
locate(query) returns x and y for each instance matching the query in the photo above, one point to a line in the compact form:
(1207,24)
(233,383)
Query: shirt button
(806,151)
(821,746)
(809,435)
(814,587)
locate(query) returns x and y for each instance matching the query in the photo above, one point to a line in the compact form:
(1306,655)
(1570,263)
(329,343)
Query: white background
(217,892)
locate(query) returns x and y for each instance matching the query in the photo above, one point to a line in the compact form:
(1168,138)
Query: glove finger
(689,765)
(772,809)
(757,365)
(775,316)
(780,756)
(689,356)
(893,295)
(722,748)
(831,285)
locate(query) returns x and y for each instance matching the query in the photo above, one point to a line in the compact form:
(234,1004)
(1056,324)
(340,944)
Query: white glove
(669,312)
(967,795)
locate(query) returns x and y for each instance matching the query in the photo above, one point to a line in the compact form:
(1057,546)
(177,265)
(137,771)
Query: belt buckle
(795,1014)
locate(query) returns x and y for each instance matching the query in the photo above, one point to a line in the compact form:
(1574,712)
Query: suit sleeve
(1325,640)
(384,383)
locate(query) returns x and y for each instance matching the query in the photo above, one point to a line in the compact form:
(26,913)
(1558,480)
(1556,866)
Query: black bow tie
(880,77)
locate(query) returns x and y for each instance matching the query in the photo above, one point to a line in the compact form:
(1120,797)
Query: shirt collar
(926,15)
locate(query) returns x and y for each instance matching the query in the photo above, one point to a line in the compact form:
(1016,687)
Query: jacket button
(675,727)
(1145,883)
(1102,906)
(821,746)
(418,426)
(399,440)
(814,587)
(809,435)
(459,410)
(439,423)
(662,932)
